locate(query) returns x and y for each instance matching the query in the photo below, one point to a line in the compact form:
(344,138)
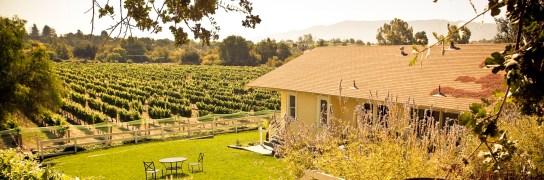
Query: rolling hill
(366,30)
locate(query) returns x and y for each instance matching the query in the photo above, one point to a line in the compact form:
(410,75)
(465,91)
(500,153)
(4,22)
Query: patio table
(171,161)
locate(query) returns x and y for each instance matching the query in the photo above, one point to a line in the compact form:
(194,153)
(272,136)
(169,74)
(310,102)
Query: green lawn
(220,162)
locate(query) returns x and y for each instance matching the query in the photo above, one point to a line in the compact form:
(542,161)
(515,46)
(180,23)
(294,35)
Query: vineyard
(98,93)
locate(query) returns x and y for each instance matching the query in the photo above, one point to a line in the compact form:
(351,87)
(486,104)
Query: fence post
(19,139)
(189,128)
(41,151)
(105,139)
(135,137)
(162,135)
(260,135)
(213,126)
(37,143)
(75,146)
(236,125)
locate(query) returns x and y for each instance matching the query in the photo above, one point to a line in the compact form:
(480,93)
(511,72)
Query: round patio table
(172,161)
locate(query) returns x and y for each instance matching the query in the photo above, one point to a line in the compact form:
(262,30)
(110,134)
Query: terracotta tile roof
(383,69)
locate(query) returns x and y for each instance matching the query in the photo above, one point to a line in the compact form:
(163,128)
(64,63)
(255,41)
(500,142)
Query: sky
(277,16)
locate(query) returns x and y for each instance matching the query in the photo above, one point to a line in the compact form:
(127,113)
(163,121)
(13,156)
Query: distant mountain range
(366,30)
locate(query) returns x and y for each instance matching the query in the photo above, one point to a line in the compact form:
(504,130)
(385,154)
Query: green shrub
(14,165)
(159,113)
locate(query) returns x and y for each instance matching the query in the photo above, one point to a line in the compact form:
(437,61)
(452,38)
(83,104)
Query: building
(365,76)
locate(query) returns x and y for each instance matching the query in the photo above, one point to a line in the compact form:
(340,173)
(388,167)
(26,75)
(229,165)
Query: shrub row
(83,114)
(159,113)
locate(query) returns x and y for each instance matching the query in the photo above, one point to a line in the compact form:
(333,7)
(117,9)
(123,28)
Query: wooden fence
(188,129)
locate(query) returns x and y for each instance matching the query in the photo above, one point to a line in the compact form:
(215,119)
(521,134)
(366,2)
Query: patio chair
(198,164)
(150,168)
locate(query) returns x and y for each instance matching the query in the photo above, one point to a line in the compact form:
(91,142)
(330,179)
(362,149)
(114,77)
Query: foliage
(190,58)
(395,146)
(160,55)
(114,57)
(266,48)
(34,32)
(283,51)
(27,84)
(506,31)
(85,51)
(62,51)
(274,62)
(148,15)
(421,38)
(459,35)
(234,51)
(403,145)
(397,32)
(135,50)
(305,42)
(522,63)
(211,59)
(15,165)
(122,90)
(159,113)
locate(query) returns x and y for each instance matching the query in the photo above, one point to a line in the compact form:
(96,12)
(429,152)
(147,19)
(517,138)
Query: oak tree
(396,32)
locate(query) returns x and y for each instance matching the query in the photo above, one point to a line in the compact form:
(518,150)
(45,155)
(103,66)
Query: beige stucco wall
(306,113)
(342,109)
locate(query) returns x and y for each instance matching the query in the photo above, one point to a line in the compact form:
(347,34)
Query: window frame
(294,94)
(319,98)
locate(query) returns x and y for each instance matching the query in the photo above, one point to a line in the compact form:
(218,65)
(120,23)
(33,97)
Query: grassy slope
(125,162)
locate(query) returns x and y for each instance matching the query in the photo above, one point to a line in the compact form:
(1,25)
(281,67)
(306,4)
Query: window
(368,108)
(292,106)
(450,118)
(324,112)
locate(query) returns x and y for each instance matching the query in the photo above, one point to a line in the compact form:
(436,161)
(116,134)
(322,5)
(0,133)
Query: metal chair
(150,168)
(198,164)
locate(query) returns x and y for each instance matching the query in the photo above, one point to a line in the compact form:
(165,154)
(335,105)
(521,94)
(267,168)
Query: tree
(120,51)
(115,57)
(359,42)
(135,49)
(274,62)
(34,32)
(234,51)
(62,51)
(421,38)
(85,51)
(397,32)
(305,42)
(48,34)
(506,31)
(321,43)
(28,84)
(46,31)
(148,16)
(160,55)
(266,48)
(335,41)
(191,58)
(211,59)
(283,51)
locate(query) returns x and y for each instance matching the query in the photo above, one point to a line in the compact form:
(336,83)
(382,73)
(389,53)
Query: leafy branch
(195,16)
